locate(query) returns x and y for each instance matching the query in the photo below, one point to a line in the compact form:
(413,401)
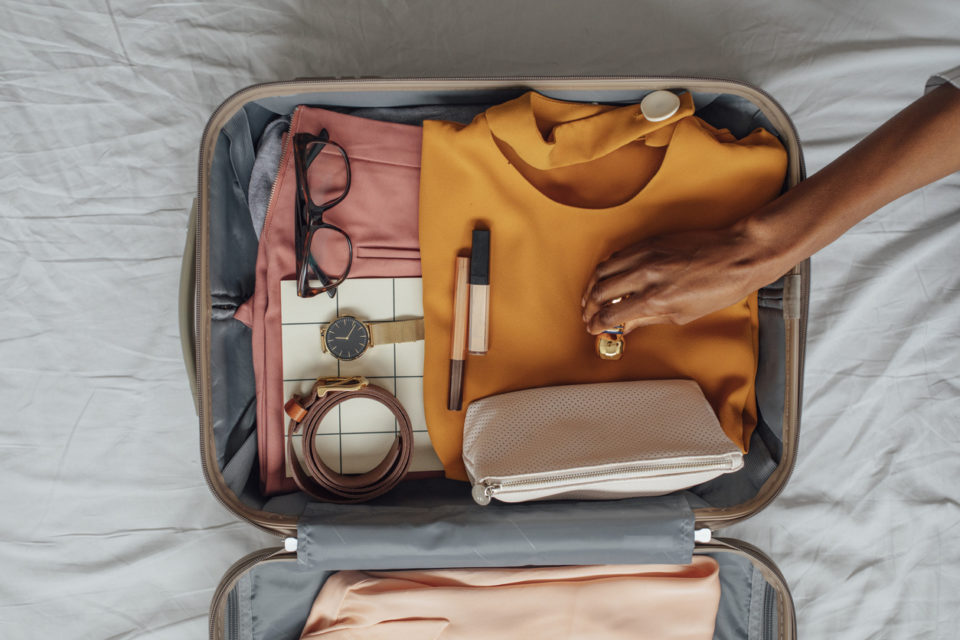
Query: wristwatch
(347,338)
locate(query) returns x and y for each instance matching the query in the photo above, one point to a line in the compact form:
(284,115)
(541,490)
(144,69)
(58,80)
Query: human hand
(676,278)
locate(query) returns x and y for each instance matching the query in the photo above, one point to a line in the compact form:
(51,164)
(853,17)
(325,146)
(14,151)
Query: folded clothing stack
(625,602)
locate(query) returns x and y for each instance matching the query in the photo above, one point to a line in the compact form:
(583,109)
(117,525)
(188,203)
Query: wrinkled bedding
(107,529)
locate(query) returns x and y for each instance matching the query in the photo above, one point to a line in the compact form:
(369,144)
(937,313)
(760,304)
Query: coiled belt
(314,476)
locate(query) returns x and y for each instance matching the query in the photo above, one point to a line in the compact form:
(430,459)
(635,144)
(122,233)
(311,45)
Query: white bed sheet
(107,529)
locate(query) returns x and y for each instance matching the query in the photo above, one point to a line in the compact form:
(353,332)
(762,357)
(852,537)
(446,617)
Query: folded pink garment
(379,214)
(632,602)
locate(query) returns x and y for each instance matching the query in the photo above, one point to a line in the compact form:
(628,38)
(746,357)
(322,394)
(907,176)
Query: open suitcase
(433,523)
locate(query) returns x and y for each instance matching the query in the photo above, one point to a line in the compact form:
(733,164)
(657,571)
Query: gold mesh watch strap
(396,331)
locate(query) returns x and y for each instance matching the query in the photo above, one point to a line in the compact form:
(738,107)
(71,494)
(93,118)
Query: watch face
(346,338)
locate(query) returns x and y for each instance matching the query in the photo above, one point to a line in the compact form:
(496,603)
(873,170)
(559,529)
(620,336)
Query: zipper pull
(289,545)
(482,493)
(702,536)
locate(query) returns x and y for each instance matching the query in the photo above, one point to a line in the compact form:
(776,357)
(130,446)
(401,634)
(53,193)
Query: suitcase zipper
(232,615)
(486,489)
(224,591)
(282,525)
(769,609)
(777,598)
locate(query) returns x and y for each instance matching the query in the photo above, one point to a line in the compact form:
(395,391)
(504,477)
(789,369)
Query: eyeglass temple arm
(323,277)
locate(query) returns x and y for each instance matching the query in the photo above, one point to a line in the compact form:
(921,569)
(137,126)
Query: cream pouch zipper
(594,441)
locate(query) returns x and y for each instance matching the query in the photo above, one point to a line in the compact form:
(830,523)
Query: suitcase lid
(755,599)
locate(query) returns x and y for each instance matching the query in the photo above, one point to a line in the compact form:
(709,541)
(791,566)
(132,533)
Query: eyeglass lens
(327,174)
(328,251)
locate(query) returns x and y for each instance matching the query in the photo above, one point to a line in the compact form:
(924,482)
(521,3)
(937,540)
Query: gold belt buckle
(325,385)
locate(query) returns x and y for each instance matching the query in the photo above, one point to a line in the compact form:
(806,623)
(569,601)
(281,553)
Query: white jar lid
(659,105)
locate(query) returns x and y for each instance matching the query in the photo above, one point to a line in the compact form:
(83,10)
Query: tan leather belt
(314,476)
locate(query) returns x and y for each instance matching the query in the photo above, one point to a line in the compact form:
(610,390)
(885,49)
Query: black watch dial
(346,338)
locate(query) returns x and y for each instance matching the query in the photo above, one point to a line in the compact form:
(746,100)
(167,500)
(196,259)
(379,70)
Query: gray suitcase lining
(272,600)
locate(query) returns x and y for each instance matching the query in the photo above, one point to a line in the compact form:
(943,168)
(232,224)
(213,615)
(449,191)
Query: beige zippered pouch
(601,441)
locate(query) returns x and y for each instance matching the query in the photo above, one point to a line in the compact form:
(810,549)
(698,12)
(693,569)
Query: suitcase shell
(789,299)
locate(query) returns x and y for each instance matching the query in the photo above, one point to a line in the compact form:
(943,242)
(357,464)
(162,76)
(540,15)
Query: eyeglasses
(324,251)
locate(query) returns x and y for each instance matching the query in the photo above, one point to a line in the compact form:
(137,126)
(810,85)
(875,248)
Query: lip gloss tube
(479,339)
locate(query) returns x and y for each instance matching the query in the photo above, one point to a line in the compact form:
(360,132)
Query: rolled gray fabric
(264,172)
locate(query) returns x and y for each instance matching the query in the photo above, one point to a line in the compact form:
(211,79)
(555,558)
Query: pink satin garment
(609,602)
(380,213)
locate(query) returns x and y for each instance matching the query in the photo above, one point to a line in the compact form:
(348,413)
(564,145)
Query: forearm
(916,147)
(680,277)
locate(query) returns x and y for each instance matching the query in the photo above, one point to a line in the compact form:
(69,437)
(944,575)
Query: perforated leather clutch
(594,441)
